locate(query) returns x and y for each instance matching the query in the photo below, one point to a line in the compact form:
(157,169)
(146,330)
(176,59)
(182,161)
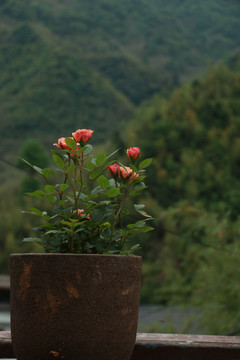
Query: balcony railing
(165,347)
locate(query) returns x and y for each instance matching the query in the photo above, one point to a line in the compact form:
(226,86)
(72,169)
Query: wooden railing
(165,347)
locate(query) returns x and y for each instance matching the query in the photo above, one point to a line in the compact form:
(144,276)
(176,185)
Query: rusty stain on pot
(54,353)
(126,311)
(24,280)
(78,278)
(53,302)
(72,292)
(127,291)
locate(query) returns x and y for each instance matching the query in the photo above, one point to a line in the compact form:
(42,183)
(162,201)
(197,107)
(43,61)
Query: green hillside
(70,63)
(194,137)
(194,192)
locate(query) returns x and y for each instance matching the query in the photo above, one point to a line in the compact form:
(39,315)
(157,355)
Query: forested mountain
(74,63)
(138,66)
(194,137)
(194,187)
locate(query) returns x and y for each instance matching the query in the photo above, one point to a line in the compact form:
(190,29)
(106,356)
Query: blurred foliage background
(164,76)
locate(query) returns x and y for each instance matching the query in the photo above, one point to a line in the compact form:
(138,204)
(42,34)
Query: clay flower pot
(74,307)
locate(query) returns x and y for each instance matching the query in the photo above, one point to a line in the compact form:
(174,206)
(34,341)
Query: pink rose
(133,153)
(80,212)
(62,144)
(82,135)
(114,170)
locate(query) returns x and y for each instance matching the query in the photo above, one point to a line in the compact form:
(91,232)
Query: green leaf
(95,174)
(68,223)
(93,160)
(36,211)
(135,247)
(58,160)
(71,143)
(143,213)
(79,151)
(25,161)
(96,190)
(145,163)
(147,228)
(90,166)
(113,192)
(47,173)
(50,198)
(112,182)
(50,188)
(103,181)
(63,187)
(100,160)
(70,168)
(53,232)
(138,224)
(45,215)
(139,206)
(37,193)
(104,202)
(54,152)
(88,149)
(62,202)
(32,239)
(37,169)
(134,168)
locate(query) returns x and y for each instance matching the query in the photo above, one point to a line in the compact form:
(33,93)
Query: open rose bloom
(82,135)
(88,204)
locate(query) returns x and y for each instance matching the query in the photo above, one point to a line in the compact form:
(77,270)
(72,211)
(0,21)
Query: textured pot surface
(74,307)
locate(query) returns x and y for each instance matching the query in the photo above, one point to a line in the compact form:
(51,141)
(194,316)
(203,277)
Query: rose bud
(133,153)
(114,170)
(82,136)
(134,175)
(62,144)
(125,172)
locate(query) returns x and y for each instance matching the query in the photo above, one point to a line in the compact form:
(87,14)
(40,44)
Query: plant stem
(72,241)
(117,214)
(80,163)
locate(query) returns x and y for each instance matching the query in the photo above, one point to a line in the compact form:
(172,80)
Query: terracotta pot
(74,307)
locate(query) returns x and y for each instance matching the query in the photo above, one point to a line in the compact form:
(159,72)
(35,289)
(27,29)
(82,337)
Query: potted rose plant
(79,299)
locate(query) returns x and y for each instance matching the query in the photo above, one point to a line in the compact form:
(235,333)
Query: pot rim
(73,254)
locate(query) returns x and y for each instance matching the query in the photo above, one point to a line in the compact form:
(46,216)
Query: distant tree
(34,152)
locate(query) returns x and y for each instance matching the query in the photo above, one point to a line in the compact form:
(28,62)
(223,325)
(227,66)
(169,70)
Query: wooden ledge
(196,341)
(165,347)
